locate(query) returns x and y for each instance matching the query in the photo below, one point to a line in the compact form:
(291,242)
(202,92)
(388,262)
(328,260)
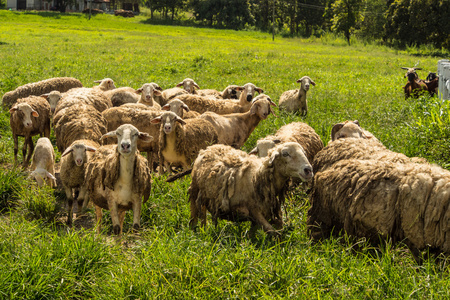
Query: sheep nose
(147,97)
(125,146)
(28,124)
(308,171)
(167,128)
(249,98)
(79,162)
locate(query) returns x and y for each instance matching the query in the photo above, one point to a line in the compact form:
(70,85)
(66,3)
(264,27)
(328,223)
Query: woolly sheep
(235,129)
(53,99)
(29,116)
(295,100)
(202,104)
(188,85)
(350,129)
(298,132)
(43,163)
(147,92)
(117,178)
(399,200)
(233,185)
(230,92)
(79,122)
(105,84)
(78,96)
(181,140)
(61,84)
(72,173)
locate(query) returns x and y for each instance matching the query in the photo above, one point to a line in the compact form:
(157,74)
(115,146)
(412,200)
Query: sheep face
(106,84)
(263,146)
(176,106)
(411,73)
(168,121)
(188,85)
(261,108)
(147,92)
(291,161)
(24,112)
(305,83)
(127,136)
(348,129)
(53,98)
(79,153)
(41,175)
(233,92)
(248,91)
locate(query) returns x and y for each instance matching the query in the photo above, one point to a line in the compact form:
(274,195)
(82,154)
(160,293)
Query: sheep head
(168,120)
(290,160)
(40,175)
(264,145)
(106,84)
(127,136)
(262,106)
(24,112)
(411,73)
(53,98)
(177,106)
(348,129)
(306,82)
(188,85)
(248,91)
(79,153)
(147,92)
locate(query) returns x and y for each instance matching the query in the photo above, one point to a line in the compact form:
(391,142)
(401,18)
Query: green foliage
(42,258)
(346,15)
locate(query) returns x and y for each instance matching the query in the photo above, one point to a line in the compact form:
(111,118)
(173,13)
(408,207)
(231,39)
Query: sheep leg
(112,205)
(29,142)
(16,147)
(121,218)
(252,232)
(259,218)
(70,205)
(98,217)
(194,211)
(137,207)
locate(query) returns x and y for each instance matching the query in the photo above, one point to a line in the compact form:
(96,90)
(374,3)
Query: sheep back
(61,84)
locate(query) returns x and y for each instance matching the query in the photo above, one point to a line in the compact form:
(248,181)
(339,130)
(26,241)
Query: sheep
(414,86)
(235,129)
(43,163)
(432,82)
(79,122)
(230,92)
(298,132)
(350,129)
(188,85)
(181,140)
(399,200)
(61,84)
(295,100)
(233,185)
(53,99)
(125,95)
(72,173)
(29,116)
(117,178)
(202,104)
(105,84)
(78,96)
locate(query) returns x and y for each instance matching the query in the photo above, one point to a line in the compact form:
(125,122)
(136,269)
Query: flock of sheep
(358,185)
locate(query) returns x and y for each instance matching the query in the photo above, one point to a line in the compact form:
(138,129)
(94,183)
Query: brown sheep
(230,92)
(181,140)
(415,86)
(29,116)
(118,178)
(233,185)
(295,100)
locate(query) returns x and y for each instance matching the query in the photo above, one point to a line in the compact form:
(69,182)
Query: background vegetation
(43,259)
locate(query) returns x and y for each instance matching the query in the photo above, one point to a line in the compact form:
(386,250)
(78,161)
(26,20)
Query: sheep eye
(285,154)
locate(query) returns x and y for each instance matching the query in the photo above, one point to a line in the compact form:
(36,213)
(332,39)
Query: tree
(346,15)
(374,18)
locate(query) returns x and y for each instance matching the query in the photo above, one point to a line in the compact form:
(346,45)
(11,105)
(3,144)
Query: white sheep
(233,185)
(188,85)
(181,140)
(350,129)
(29,116)
(235,129)
(118,178)
(230,92)
(144,95)
(53,99)
(295,100)
(72,171)
(43,163)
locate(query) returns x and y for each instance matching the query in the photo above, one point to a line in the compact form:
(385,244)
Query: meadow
(41,258)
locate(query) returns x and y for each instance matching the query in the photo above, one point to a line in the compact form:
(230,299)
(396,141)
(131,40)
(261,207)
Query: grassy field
(43,259)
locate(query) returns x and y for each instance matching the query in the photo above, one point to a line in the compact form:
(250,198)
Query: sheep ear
(91,149)
(276,141)
(98,81)
(156,120)
(50,175)
(181,121)
(13,109)
(417,68)
(156,92)
(165,107)
(357,123)
(180,84)
(272,158)
(67,151)
(35,114)
(139,90)
(239,88)
(272,103)
(259,90)
(185,107)
(45,96)
(145,136)
(404,68)
(254,151)
(253,109)
(196,85)
(109,134)
(313,83)
(335,129)
(272,112)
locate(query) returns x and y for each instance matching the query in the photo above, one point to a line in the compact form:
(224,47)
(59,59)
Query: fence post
(444,79)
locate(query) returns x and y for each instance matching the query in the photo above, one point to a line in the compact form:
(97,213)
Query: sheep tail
(178,175)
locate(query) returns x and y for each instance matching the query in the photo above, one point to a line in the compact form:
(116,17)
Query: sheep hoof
(116,230)
(136,227)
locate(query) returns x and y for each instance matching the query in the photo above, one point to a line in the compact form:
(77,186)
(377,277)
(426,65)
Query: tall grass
(43,259)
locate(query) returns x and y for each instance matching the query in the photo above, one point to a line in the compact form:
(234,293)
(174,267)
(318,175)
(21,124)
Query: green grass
(42,259)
